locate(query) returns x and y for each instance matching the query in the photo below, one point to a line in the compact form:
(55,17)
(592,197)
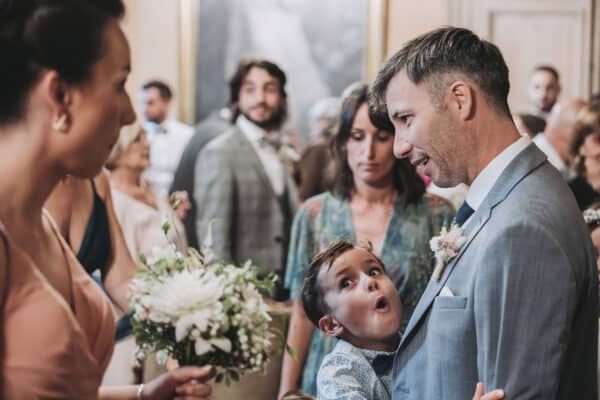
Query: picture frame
(192,86)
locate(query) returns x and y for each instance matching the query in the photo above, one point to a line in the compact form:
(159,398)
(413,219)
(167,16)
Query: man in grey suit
(241,182)
(516,307)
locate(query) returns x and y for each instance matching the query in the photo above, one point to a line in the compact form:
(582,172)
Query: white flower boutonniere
(445,247)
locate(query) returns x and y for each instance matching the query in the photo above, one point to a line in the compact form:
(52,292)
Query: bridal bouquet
(200,312)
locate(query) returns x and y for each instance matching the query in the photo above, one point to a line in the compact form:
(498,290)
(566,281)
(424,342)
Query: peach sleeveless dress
(53,351)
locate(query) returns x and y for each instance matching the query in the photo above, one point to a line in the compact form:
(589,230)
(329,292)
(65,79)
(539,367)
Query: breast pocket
(450,302)
(452,344)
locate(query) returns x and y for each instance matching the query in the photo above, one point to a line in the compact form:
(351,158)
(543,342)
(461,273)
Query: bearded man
(241,182)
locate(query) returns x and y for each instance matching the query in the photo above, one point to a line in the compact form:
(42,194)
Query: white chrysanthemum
(185,292)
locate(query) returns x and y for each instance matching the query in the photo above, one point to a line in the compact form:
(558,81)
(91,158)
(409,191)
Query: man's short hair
(549,69)
(313,298)
(432,58)
(244,67)
(163,89)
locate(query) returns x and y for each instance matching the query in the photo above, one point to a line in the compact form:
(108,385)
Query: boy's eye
(344,283)
(375,271)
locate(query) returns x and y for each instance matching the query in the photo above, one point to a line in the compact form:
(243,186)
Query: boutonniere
(445,247)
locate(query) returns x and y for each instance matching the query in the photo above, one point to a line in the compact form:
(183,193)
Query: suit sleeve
(525,300)
(214,197)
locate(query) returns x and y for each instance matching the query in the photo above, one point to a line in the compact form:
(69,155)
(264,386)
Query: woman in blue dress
(376,198)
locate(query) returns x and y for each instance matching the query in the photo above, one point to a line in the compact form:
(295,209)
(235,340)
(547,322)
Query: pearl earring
(60,123)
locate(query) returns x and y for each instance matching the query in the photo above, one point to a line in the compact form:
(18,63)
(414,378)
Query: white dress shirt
(542,142)
(486,179)
(166,148)
(267,154)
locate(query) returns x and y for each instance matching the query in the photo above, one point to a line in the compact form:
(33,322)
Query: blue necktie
(463,214)
(382,363)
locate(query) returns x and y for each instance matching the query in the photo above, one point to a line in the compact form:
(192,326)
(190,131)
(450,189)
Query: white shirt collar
(541,141)
(485,180)
(252,131)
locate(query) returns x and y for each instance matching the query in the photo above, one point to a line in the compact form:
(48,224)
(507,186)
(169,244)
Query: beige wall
(152,28)
(408,19)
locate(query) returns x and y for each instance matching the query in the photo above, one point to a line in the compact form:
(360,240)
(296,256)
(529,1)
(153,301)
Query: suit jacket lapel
(525,162)
(478,220)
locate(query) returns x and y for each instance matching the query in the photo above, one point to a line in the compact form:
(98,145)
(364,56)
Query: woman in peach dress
(62,104)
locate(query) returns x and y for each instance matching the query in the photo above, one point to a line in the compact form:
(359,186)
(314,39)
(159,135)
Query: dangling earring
(60,123)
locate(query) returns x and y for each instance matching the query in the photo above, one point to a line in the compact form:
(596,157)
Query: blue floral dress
(405,253)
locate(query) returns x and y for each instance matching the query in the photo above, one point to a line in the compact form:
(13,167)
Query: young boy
(347,294)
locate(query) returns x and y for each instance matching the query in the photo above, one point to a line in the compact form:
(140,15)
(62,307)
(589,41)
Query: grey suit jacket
(523,314)
(232,188)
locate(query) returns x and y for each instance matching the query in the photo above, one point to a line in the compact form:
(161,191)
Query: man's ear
(461,99)
(330,326)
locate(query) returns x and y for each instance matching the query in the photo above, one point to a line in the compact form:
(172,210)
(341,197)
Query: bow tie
(463,214)
(273,140)
(383,363)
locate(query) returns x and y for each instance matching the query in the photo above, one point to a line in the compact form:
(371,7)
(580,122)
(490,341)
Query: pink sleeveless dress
(52,351)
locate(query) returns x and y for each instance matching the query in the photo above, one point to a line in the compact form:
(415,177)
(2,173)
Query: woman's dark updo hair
(406,181)
(63,35)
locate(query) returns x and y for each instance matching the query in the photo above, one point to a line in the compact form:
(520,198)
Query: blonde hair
(128,135)
(587,122)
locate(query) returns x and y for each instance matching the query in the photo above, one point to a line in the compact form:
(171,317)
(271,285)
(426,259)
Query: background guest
(544,89)
(377,198)
(558,135)
(139,210)
(315,169)
(241,182)
(57,325)
(585,150)
(167,136)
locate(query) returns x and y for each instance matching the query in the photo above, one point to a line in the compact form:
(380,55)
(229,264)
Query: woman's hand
(181,383)
(497,394)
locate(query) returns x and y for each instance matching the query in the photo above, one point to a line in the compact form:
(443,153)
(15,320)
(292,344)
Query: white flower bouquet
(201,312)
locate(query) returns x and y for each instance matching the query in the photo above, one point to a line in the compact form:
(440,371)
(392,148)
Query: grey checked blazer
(232,188)
(523,314)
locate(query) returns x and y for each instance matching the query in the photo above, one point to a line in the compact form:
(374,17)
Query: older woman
(60,115)
(140,212)
(377,198)
(585,149)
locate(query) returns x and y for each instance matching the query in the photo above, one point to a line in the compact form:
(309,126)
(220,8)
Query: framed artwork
(323,46)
